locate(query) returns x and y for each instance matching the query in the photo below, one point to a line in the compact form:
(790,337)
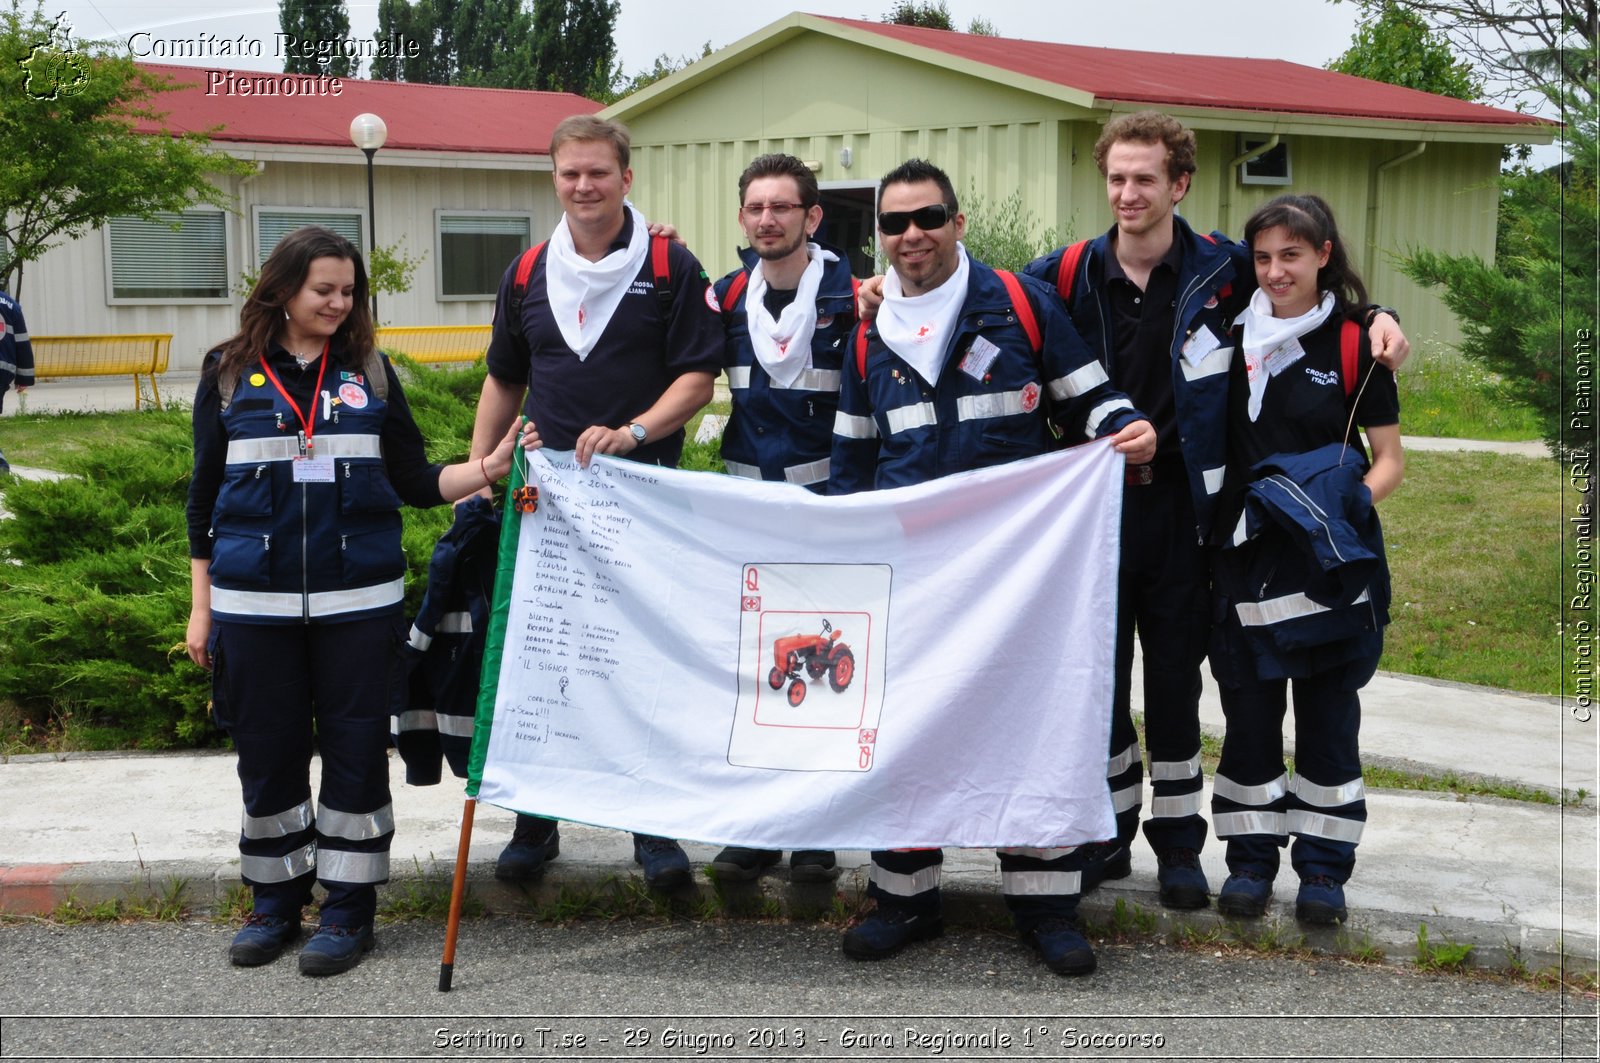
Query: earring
(286,315)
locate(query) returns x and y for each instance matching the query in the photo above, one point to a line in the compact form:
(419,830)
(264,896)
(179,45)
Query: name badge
(1283,356)
(314,470)
(1200,344)
(980,356)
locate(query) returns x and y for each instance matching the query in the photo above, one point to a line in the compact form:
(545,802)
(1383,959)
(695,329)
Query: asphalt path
(743,990)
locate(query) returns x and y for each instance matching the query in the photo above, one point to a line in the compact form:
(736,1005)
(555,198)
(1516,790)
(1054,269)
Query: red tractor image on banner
(819,655)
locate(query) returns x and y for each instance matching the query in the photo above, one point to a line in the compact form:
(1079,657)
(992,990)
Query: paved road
(745,990)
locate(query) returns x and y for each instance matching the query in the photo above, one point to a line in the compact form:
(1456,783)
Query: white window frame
(228,262)
(439,214)
(1251,141)
(308,216)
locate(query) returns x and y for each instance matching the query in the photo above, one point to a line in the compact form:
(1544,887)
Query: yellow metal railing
(140,355)
(435,344)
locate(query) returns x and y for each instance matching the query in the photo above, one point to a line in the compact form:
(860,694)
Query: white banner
(738,662)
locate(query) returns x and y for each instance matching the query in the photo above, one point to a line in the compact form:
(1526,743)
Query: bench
(140,355)
(432,345)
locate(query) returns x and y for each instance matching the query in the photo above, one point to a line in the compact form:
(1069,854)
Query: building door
(847,224)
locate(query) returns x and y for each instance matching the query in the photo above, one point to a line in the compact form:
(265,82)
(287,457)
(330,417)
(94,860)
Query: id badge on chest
(314,470)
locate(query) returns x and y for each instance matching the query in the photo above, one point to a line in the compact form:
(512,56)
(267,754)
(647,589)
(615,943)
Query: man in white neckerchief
(952,378)
(608,344)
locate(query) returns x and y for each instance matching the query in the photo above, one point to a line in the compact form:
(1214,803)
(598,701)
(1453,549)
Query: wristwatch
(638,432)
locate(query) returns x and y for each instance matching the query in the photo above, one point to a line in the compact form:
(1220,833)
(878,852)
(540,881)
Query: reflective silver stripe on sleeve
(272,869)
(1174,770)
(1123,761)
(1084,378)
(1239,794)
(1327,796)
(341,865)
(903,885)
(284,448)
(1177,806)
(323,603)
(456,623)
(811,472)
(414,720)
(8,367)
(1212,364)
(906,418)
(1277,610)
(1041,883)
(456,726)
(1127,797)
(354,826)
(1039,854)
(277,826)
(419,640)
(1320,825)
(1212,478)
(987,407)
(1098,415)
(22,337)
(739,377)
(812,380)
(849,426)
(1231,824)
(739,468)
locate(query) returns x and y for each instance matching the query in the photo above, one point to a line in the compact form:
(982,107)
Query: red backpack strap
(1350,355)
(1068,272)
(861,349)
(730,298)
(519,287)
(1023,308)
(662,272)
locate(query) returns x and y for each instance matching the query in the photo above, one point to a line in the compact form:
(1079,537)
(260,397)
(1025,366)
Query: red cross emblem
(1030,397)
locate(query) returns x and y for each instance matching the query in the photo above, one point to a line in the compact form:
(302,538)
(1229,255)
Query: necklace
(302,362)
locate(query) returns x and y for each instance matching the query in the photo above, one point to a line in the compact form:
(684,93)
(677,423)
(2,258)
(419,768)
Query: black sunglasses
(895,222)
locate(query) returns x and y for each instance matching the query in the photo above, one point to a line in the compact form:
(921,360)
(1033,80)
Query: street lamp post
(368,133)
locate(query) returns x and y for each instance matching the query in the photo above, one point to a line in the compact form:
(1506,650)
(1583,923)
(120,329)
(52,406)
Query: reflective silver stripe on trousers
(1230,824)
(739,468)
(1177,806)
(1039,854)
(280,825)
(905,418)
(810,472)
(902,885)
(1212,364)
(323,603)
(1327,796)
(1084,378)
(354,826)
(284,448)
(849,426)
(1041,883)
(1127,797)
(1320,825)
(987,407)
(1239,794)
(271,869)
(1277,610)
(738,377)
(414,720)
(456,726)
(1175,770)
(1098,415)
(1123,761)
(341,865)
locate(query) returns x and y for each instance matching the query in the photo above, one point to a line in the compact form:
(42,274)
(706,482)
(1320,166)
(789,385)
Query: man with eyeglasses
(787,312)
(951,381)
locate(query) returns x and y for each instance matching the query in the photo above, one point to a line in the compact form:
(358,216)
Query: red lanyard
(308,420)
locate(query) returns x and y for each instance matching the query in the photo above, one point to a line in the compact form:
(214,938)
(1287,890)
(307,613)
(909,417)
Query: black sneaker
(262,940)
(738,864)
(534,843)
(1063,947)
(666,865)
(1183,883)
(1104,861)
(813,865)
(1320,900)
(888,930)
(335,949)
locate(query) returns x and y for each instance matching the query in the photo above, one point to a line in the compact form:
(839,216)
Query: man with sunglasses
(787,312)
(952,381)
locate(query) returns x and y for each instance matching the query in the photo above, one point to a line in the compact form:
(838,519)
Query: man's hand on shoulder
(666,229)
(869,298)
(1389,345)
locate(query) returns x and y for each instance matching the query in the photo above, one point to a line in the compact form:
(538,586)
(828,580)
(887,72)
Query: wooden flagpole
(458,890)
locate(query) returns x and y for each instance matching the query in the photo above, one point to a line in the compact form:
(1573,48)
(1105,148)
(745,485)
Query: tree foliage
(552,45)
(72,158)
(1004,234)
(316,21)
(664,66)
(930,14)
(1397,47)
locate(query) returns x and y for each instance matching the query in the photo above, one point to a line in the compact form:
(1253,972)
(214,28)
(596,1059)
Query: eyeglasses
(781,212)
(895,222)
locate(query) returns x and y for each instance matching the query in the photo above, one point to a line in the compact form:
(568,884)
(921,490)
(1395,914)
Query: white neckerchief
(1264,334)
(583,294)
(783,345)
(920,328)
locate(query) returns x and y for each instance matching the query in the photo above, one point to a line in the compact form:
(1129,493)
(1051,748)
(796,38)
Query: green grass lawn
(1442,394)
